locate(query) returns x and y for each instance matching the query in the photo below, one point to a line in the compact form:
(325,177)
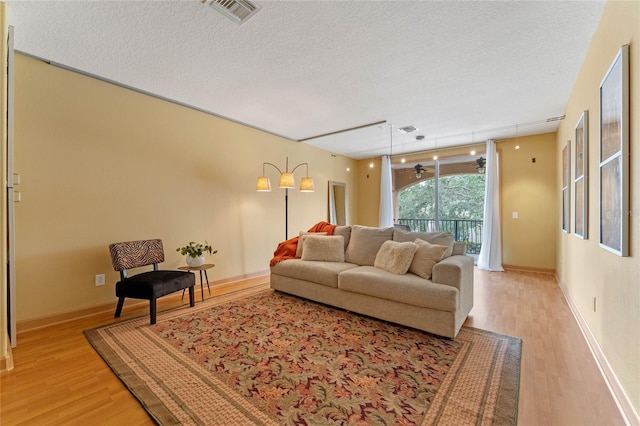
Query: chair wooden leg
(152,310)
(192,297)
(119,307)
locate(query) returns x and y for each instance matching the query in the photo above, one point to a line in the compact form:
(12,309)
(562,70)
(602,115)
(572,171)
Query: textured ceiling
(459,71)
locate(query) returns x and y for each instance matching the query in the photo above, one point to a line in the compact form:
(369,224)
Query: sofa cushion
(301,238)
(365,242)
(427,255)
(459,248)
(395,257)
(325,273)
(345,231)
(323,248)
(407,288)
(439,238)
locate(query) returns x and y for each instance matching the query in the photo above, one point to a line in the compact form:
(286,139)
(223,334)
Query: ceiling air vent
(236,10)
(407,129)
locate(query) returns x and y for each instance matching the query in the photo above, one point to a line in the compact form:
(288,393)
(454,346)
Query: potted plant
(195,252)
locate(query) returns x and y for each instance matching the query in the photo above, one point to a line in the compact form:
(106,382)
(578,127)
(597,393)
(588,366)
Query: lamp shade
(306,184)
(287,180)
(263,185)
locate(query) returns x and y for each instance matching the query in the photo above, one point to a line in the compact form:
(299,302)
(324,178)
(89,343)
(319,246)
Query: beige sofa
(366,278)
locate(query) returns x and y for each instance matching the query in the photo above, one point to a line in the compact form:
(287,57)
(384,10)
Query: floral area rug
(275,359)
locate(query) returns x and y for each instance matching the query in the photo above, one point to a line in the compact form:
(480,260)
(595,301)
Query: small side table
(201,269)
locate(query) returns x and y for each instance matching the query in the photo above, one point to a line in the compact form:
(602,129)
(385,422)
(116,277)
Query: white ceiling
(459,71)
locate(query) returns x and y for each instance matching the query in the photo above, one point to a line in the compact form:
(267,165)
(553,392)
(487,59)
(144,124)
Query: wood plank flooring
(59,379)
(560,383)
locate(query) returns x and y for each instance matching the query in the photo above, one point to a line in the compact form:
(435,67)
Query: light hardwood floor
(59,379)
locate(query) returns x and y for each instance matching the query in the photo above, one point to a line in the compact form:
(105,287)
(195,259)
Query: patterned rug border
(443,409)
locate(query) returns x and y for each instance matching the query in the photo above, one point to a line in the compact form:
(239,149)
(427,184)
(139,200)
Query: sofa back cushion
(323,248)
(365,242)
(395,257)
(439,238)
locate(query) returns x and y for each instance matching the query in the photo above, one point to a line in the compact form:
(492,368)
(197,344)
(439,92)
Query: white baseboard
(627,410)
(6,363)
(58,318)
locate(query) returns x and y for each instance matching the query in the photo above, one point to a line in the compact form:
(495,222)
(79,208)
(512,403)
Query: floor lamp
(286,182)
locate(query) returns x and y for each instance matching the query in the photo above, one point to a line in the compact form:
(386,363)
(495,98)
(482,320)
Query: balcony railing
(467,230)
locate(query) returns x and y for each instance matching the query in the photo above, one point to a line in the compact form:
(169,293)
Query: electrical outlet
(99,280)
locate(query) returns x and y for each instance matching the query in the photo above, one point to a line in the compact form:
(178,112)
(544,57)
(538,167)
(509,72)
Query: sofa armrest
(453,270)
(456,271)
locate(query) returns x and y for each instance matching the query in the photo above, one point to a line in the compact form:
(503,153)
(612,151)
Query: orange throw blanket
(287,249)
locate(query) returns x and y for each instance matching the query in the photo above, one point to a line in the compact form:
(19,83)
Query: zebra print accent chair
(147,285)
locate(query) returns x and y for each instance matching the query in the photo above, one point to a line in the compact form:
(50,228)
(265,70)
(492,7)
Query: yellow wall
(584,268)
(3,161)
(529,188)
(369,192)
(101,164)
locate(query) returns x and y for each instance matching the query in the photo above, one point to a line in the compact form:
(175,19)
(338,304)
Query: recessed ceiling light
(473,153)
(404,160)
(407,129)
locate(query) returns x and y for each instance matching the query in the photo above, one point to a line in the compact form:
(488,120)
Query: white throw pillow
(323,248)
(395,257)
(301,238)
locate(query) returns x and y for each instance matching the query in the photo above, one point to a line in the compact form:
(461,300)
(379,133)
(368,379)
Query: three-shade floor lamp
(287,181)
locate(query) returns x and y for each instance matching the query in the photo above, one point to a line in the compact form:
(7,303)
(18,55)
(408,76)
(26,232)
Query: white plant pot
(195,261)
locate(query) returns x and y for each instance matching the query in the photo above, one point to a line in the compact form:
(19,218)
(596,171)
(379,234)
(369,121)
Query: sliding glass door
(447,196)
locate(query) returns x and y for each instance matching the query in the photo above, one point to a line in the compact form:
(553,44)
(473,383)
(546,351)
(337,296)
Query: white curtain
(386,197)
(490,258)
